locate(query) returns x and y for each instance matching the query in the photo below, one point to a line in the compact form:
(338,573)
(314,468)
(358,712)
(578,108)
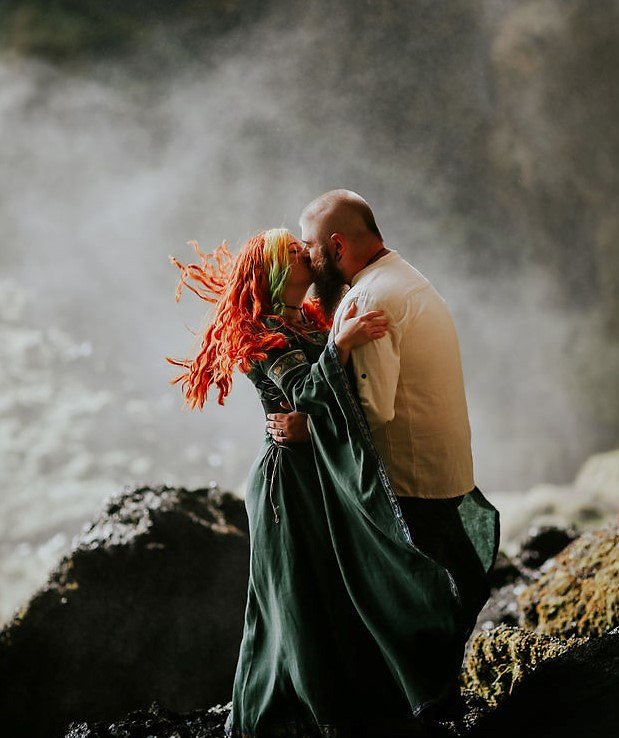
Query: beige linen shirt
(410,381)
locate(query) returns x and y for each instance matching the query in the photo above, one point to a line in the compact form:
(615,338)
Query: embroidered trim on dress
(367,435)
(382,473)
(318,337)
(289,361)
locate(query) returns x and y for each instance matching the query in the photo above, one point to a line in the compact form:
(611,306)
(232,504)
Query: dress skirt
(354,626)
(308,666)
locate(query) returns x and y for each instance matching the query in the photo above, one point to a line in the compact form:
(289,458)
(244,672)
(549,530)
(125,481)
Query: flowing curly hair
(246,290)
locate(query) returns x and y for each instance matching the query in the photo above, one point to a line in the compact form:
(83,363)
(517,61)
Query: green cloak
(347,622)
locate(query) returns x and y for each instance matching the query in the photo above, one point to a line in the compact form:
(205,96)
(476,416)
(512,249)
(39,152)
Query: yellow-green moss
(501,658)
(579,592)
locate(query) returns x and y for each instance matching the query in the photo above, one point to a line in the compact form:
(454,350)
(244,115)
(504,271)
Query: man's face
(328,277)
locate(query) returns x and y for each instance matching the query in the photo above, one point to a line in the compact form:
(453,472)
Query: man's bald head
(342,211)
(339,230)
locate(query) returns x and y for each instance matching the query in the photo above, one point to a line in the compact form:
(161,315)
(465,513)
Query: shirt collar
(383,260)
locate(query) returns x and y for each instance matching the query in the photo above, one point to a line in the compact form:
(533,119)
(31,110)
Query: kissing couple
(370,544)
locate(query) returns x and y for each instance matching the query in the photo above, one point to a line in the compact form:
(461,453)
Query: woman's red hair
(237,335)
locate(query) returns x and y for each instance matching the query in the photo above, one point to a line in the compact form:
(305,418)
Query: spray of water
(107,169)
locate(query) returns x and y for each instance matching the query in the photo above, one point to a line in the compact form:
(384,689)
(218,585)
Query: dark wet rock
(544,686)
(148,606)
(517,683)
(577,592)
(505,571)
(501,608)
(507,579)
(512,575)
(156,722)
(147,610)
(542,543)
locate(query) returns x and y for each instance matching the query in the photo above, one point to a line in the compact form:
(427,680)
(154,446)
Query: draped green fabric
(347,622)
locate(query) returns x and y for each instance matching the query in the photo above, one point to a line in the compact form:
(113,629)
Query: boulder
(541,543)
(558,674)
(578,591)
(502,658)
(157,722)
(511,576)
(143,619)
(540,685)
(148,605)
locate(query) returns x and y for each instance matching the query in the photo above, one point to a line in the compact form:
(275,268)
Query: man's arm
(377,370)
(288,426)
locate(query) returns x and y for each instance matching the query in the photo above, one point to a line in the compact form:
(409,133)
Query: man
(409,385)
(410,382)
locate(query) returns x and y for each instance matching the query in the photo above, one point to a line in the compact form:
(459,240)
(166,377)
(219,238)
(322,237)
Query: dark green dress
(348,623)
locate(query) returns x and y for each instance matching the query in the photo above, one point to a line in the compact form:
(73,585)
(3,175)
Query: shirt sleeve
(377,368)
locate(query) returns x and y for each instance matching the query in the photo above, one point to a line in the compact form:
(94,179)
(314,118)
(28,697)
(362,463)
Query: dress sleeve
(306,386)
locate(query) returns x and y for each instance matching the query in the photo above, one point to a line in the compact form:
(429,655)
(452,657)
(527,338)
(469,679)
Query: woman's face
(301,273)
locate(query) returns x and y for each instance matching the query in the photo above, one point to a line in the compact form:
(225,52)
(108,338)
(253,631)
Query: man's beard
(329,284)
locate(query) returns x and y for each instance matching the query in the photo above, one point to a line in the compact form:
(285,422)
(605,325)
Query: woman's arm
(359,331)
(306,386)
(302,384)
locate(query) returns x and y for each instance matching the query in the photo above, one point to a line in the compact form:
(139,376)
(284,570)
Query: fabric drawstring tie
(273,457)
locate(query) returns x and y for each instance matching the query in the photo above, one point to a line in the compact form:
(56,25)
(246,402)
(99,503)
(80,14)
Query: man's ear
(339,243)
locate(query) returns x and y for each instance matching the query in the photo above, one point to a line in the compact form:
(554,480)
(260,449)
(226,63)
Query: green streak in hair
(278,271)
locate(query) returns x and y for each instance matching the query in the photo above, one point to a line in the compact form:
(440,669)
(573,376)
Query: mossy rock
(578,592)
(500,659)
(537,685)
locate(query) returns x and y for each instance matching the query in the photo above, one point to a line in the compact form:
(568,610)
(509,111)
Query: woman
(349,627)
(262,307)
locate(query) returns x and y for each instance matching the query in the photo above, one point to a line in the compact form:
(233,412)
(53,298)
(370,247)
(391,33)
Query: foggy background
(484,135)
